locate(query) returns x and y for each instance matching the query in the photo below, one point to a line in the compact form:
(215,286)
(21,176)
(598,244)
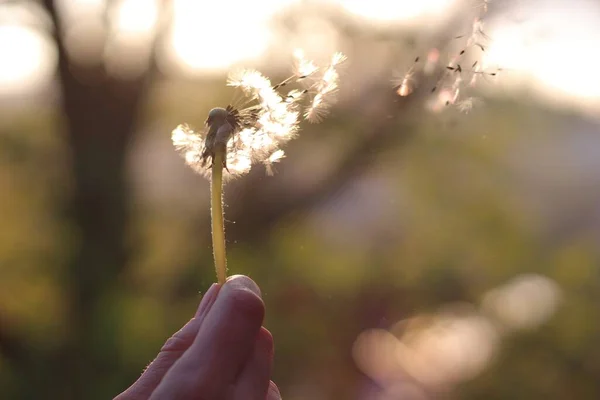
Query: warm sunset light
(28,59)
(206,37)
(211,36)
(385,10)
(136,17)
(554,51)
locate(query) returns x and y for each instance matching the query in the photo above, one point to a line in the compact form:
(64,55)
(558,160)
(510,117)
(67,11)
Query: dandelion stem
(218,228)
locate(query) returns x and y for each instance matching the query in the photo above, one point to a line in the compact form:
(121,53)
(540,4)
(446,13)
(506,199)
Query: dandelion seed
(273,158)
(455,95)
(473,80)
(478,36)
(405,84)
(338,58)
(304,67)
(406,87)
(325,89)
(466,105)
(452,79)
(318,109)
(484,5)
(254,133)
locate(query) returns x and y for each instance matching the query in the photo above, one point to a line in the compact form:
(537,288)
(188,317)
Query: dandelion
(236,138)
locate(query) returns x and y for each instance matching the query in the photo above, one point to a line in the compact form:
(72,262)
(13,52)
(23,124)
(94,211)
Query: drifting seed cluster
(462,71)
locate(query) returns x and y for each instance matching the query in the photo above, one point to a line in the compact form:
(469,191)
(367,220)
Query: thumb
(173,348)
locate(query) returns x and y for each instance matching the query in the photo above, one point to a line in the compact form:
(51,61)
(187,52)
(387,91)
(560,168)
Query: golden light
(78,9)
(28,59)
(554,50)
(128,48)
(458,344)
(388,10)
(136,17)
(211,36)
(525,302)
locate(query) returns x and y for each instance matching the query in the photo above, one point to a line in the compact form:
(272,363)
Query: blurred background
(417,244)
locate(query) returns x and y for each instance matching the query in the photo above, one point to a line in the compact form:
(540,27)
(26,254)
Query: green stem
(216,202)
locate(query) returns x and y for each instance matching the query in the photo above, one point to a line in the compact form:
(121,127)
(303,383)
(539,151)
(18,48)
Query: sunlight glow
(460,345)
(78,9)
(525,302)
(128,48)
(555,50)
(215,35)
(389,10)
(28,59)
(136,17)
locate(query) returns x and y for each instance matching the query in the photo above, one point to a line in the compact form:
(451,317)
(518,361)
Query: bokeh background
(404,250)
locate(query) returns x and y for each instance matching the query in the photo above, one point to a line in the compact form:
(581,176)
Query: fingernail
(243,282)
(208,299)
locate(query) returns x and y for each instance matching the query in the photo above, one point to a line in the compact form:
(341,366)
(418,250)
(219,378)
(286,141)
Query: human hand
(222,353)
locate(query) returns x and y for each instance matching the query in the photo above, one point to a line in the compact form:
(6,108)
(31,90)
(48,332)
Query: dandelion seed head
(255,134)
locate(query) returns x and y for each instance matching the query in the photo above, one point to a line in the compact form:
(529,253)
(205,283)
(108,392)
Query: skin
(223,353)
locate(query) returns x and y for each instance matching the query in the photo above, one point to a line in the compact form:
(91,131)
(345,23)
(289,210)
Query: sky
(548,46)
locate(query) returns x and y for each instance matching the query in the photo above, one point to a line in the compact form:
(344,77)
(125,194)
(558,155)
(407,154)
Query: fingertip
(241,295)
(224,343)
(243,282)
(208,299)
(265,341)
(273,393)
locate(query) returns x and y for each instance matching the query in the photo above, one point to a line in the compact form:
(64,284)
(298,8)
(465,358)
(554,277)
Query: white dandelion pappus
(405,83)
(255,134)
(325,88)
